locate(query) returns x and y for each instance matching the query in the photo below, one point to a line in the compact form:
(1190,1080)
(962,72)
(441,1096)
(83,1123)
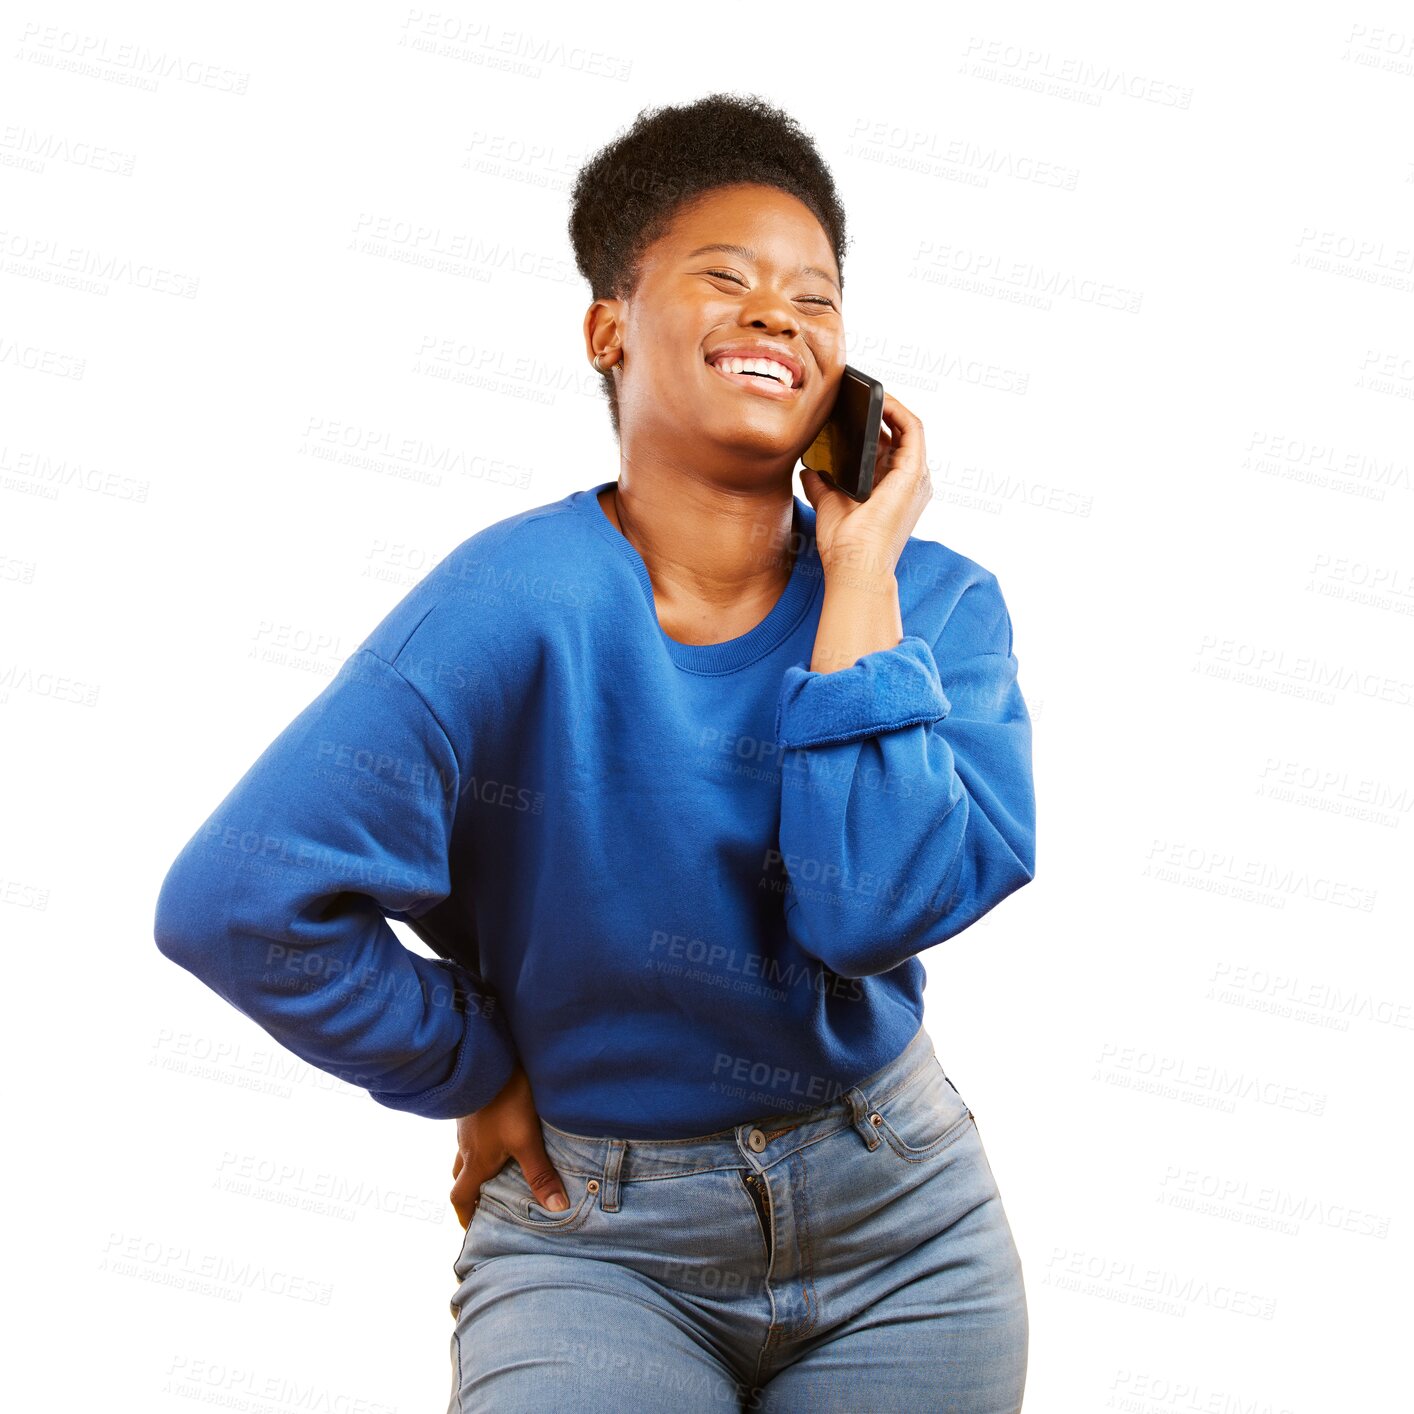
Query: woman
(678,775)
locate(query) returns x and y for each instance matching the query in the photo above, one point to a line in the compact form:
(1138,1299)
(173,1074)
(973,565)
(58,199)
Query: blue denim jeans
(854,1256)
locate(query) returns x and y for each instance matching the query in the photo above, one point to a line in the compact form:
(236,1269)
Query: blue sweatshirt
(686,885)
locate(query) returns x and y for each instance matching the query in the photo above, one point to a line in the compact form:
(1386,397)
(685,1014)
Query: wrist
(865,563)
(859,615)
(847,582)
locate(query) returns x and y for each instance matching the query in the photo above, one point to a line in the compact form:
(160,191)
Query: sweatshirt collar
(784,617)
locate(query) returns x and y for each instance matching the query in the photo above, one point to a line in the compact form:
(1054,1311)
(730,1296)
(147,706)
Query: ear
(603,329)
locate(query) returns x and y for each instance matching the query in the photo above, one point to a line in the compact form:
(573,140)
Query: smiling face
(772,299)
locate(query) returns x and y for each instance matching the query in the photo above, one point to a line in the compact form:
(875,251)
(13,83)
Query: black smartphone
(845,451)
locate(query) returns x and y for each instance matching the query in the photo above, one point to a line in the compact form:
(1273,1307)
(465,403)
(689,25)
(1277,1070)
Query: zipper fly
(761,1201)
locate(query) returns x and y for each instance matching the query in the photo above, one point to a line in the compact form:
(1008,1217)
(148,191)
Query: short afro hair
(626,195)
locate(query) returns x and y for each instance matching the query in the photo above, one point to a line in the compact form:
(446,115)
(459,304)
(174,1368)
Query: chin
(745,435)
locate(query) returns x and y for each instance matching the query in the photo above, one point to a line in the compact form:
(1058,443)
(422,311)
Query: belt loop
(613,1160)
(859,1112)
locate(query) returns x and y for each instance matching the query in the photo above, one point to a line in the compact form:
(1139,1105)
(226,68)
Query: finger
(541,1176)
(894,413)
(905,448)
(898,436)
(465,1194)
(881,457)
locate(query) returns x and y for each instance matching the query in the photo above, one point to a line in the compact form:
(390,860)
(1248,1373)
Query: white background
(1147,277)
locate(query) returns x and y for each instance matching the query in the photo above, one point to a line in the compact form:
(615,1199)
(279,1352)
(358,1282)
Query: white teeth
(767,366)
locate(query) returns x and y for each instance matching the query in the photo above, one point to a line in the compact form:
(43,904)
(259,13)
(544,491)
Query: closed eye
(736,279)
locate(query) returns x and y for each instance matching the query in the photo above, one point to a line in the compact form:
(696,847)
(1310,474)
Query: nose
(767,309)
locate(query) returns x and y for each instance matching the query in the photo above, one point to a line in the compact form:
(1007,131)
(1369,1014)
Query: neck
(707,547)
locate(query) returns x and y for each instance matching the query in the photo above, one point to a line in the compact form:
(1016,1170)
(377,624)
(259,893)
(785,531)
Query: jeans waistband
(757,1143)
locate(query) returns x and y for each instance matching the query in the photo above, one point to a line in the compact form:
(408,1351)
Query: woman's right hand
(507,1128)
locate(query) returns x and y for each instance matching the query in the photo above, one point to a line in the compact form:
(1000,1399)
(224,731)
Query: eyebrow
(747,253)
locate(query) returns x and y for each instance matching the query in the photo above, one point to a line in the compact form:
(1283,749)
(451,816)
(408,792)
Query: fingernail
(558,1203)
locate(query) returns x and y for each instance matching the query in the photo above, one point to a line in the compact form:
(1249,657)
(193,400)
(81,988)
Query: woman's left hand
(867,538)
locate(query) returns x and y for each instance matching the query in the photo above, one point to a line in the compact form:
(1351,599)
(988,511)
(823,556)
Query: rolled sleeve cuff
(880,692)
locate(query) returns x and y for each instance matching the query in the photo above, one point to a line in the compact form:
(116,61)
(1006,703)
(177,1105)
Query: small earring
(597,369)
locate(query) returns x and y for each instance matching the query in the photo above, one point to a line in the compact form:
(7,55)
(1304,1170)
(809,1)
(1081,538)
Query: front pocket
(925,1115)
(508,1196)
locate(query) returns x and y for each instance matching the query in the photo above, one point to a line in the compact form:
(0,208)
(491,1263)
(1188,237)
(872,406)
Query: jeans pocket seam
(905,1151)
(562,1223)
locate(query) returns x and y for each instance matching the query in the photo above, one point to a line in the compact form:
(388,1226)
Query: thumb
(541,1176)
(813,484)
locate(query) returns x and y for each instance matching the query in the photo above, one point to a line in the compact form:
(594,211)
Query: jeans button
(756,1141)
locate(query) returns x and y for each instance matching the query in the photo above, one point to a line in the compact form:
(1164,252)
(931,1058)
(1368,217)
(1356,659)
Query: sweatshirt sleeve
(280,901)
(907,803)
